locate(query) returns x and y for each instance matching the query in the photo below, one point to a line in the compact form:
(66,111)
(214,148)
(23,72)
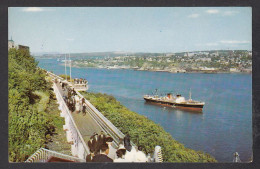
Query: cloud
(207,44)
(211,44)
(70,39)
(195,15)
(233,41)
(32,9)
(229,13)
(212,11)
(36,9)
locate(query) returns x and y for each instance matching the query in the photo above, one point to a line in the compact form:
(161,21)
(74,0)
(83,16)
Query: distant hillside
(92,55)
(100,55)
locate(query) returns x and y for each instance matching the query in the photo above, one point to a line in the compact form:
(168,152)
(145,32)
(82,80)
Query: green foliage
(144,131)
(28,99)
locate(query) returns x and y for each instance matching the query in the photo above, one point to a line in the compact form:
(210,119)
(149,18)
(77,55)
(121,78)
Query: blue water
(224,127)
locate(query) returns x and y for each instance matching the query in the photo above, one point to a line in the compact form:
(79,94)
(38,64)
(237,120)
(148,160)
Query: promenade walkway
(85,123)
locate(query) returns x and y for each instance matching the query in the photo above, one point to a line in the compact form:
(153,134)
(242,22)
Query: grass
(44,100)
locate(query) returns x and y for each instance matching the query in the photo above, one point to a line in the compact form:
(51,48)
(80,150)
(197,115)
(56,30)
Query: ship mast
(156,90)
(190,94)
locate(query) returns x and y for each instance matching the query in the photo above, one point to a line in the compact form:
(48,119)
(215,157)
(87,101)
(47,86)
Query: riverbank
(168,71)
(144,131)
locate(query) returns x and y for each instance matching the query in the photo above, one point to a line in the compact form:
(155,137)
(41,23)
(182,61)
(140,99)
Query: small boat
(177,101)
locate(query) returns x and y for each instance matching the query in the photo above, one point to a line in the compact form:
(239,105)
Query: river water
(224,126)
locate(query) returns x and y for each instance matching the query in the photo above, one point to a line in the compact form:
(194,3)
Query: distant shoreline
(199,72)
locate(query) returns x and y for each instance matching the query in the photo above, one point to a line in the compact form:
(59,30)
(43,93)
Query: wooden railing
(103,122)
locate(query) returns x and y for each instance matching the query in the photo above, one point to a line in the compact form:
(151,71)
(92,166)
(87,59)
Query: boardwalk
(86,125)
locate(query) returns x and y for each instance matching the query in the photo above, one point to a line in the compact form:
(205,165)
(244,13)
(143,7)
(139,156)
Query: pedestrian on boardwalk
(102,138)
(91,143)
(89,157)
(77,103)
(69,92)
(102,157)
(94,143)
(120,154)
(140,156)
(130,155)
(73,103)
(84,106)
(127,143)
(112,152)
(65,99)
(73,92)
(62,86)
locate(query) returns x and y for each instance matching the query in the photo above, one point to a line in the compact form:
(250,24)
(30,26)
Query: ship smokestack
(169,95)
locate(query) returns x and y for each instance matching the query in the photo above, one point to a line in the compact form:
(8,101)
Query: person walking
(112,151)
(95,143)
(130,155)
(120,154)
(73,92)
(102,157)
(77,103)
(140,156)
(84,106)
(101,140)
(91,143)
(62,85)
(89,157)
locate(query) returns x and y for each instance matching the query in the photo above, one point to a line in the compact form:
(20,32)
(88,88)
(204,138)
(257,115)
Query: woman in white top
(140,156)
(120,154)
(130,155)
(77,105)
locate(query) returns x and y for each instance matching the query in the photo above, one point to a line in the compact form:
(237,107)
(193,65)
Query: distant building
(204,59)
(11,44)
(207,68)
(204,53)
(170,54)
(189,54)
(214,54)
(23,47)
(234,70)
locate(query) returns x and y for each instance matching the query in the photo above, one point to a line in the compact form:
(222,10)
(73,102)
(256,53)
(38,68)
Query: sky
(130,29)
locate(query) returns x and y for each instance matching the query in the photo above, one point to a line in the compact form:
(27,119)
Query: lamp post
(65,67)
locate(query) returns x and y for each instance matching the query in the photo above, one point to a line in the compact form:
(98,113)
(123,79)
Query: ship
(177,101)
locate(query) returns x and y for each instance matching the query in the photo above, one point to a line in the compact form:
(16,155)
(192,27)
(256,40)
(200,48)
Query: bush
(28,122)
